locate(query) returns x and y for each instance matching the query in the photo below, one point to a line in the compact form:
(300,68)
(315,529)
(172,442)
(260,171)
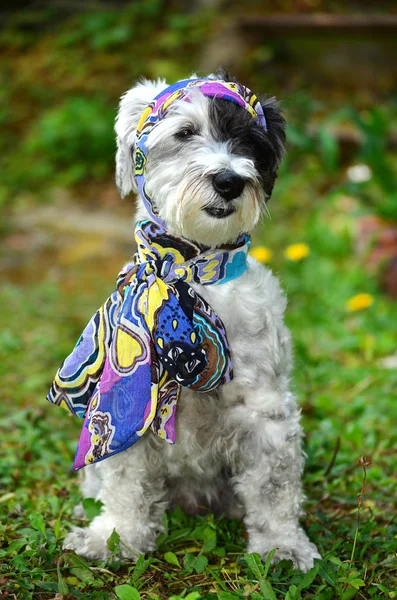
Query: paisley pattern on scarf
(152,336)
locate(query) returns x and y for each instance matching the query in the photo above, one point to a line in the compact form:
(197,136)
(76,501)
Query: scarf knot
(154,335)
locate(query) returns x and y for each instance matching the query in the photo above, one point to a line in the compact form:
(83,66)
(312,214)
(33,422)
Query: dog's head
(210,166)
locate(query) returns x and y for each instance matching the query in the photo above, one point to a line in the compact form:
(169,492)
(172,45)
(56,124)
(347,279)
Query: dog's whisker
(181,198)
(196,205)
(266,211)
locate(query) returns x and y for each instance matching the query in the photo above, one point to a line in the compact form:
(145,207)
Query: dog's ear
(276,124)
(132,105)
(275,141)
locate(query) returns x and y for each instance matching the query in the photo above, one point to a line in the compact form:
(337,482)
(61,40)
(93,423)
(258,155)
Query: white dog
(210,170)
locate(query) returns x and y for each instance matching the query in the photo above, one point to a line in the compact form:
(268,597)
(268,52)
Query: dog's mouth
(219,212)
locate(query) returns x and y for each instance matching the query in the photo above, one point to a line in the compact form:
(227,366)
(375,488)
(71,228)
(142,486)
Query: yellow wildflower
(261,253)
(296,251)
(359,302)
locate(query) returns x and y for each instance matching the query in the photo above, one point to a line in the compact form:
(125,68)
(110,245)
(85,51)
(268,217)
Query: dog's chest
(251,309)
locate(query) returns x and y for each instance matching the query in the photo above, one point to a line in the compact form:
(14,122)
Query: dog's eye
(186,133)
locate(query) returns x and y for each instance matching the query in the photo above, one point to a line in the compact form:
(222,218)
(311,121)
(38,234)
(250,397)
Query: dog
(210,167)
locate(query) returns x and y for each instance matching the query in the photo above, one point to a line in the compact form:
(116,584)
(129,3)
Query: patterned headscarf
(154,334)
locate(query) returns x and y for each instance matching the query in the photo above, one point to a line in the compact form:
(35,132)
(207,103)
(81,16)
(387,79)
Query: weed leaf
(201,563)
(127,592)
(309,577)
(38,523)
(172,559)
(62,587)
(140,567)
(92,507)
(113,542)
(268,562)
(254,563)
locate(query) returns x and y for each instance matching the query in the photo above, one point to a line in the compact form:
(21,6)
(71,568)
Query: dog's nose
(228,184)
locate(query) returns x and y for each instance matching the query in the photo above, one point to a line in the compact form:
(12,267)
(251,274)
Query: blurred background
(332,236)
(64,65)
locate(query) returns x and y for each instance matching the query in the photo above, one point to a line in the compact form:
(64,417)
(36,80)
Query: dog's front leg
(133,495)
(268,481)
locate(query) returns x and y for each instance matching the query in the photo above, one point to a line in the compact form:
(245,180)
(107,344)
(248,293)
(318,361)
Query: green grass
(349,405)
(348,399)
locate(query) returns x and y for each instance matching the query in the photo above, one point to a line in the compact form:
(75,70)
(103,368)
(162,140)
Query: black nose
(228,184)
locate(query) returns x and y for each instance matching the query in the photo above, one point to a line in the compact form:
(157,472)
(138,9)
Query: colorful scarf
(154,334)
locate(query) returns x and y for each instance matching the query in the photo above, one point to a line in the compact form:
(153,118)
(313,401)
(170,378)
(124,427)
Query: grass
(348,397)
(348,403)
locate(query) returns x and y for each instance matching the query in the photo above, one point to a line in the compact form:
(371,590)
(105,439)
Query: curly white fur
(238,450)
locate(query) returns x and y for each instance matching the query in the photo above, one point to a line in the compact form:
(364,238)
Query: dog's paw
(87,543)
(296,547)
(302,556)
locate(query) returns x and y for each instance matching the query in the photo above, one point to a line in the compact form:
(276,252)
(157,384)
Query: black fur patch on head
(232,123)
(222,75)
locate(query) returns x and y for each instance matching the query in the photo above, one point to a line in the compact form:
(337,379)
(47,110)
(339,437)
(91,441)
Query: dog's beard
(201,214)
(184,196)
